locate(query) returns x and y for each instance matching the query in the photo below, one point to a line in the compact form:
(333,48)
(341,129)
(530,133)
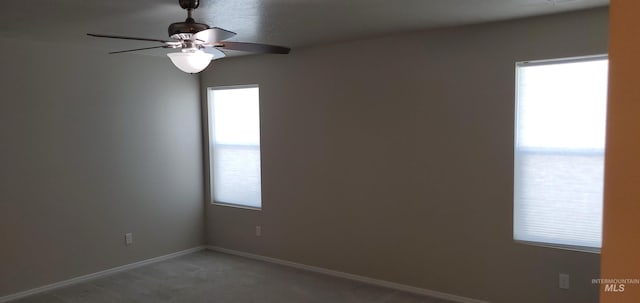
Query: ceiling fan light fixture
(193,38)
(191,61)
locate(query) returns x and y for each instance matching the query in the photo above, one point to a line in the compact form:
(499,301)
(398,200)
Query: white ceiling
(294,23)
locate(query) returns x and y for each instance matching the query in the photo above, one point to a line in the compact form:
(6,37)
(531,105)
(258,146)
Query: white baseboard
(99,274)
(363,279)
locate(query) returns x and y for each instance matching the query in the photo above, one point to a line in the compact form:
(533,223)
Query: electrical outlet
(564,281)
(258,230)
(128,239)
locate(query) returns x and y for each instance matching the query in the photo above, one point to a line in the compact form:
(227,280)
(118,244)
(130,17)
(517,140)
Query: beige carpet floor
(212,277)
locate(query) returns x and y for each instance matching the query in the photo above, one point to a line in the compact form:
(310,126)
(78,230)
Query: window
(559,152)
(234,145)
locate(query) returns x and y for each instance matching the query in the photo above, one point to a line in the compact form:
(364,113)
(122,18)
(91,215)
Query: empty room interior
(320,151)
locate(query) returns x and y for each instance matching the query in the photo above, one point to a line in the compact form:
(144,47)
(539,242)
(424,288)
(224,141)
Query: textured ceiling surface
(294,23)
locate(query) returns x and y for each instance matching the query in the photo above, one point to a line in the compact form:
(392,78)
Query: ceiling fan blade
(138,49)
(253,47)
(212,35)
(127,38)
(217,54)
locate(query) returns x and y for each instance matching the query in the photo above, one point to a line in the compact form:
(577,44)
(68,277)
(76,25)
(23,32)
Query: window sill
(236,206)
(584,249)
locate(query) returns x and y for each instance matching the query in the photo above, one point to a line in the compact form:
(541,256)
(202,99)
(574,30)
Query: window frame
(209,147)
(518,64)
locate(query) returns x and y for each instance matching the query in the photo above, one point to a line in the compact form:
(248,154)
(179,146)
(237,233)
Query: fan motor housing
(178,29)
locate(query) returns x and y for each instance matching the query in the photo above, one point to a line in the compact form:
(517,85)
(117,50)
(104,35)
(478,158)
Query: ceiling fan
(198,43)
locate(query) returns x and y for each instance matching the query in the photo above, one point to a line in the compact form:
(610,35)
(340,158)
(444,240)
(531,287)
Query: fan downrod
(184,30)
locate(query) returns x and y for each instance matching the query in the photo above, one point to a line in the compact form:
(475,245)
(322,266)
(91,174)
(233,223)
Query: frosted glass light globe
(191,61)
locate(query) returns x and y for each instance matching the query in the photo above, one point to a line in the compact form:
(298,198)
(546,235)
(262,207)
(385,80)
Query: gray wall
(93,146)
(392,158)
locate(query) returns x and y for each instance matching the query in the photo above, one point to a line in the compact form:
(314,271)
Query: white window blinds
(234,141)
(559,152)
